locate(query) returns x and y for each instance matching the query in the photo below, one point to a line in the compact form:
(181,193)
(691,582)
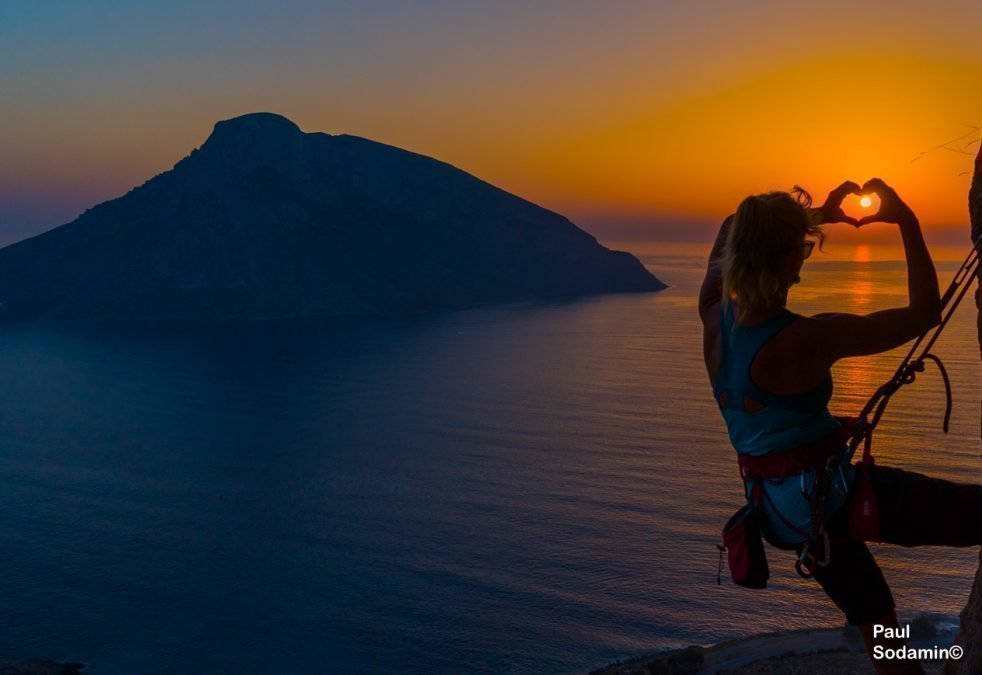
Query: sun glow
(865,202)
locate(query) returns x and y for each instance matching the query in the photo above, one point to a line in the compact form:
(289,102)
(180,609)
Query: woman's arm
(712,286)
(838,336)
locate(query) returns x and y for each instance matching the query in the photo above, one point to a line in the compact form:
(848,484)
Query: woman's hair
(765,228)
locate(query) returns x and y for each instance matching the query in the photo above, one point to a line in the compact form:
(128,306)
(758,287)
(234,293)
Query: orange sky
(640,120)
(773,129)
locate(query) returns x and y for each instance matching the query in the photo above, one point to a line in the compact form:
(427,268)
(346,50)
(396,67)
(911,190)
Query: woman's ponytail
(765,228)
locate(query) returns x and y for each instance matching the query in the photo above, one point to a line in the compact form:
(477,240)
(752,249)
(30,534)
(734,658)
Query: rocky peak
(256,139)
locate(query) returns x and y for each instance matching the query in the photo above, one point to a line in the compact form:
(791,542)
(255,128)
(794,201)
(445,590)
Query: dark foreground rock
(266,221)
(970,637)
(832,651)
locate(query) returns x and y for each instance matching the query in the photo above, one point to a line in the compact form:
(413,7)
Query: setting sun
(865,202)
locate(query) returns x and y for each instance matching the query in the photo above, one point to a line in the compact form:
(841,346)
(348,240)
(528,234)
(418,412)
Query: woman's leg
(853,580)
(914,510)
(917,510)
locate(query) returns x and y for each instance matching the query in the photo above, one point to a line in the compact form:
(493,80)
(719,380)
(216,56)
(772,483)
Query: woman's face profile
(793,262)
(798,256)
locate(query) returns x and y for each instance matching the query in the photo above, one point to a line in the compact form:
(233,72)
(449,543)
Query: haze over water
(533,488)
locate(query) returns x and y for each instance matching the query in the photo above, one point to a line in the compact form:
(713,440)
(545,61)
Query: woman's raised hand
(892,207)
(831,211)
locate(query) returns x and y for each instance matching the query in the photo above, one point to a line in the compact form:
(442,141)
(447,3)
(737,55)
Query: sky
(637,120)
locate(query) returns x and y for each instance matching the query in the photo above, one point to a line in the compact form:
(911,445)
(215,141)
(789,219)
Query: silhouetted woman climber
(771,375)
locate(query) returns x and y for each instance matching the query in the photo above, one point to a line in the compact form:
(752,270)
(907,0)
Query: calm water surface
(530,489)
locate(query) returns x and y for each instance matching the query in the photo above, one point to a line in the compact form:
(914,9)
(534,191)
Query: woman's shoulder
(793,360)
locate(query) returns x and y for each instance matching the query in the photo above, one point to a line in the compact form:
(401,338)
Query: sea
(530,488)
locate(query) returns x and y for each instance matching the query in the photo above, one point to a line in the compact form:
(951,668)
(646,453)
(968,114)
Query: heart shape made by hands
(860,205)
(854,204)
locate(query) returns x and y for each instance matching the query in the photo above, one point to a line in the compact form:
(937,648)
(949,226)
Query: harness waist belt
(780,465)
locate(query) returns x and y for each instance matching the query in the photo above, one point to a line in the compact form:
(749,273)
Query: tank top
(776,423)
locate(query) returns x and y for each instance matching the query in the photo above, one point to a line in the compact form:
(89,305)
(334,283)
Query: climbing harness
(822,458)
(742,540)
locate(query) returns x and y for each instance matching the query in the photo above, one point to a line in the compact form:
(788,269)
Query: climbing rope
(920,352)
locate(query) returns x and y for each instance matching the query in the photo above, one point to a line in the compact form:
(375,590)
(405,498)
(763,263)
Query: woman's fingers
(840,193)
(893,209)
(879,187)
(846,189)
(872,184)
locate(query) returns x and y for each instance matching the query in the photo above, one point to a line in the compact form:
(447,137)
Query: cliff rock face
(970,637)
(975,209)
(266,221)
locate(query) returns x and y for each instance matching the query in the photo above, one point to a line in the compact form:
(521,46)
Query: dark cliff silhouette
(970,636)
(266,221)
